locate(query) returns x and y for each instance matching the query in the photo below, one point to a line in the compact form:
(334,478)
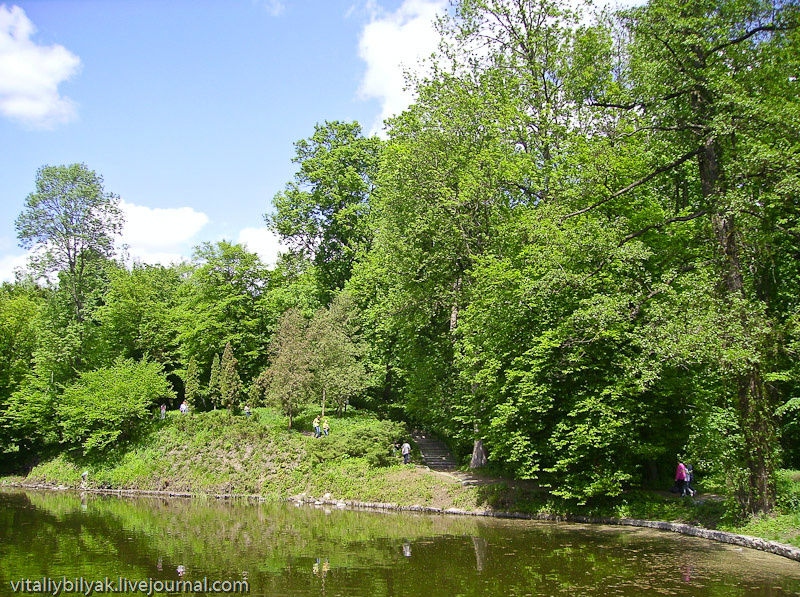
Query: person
(680,478)
(246,410)
(689,479)
(325,427)
(406,452)
(184,407)
(316,427)
(163,411)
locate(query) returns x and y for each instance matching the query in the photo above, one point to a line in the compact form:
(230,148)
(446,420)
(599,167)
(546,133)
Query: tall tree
(191,383)
(288,381)
(230,384)
(336,359)
(70,220)
(223,301)
(214,382)
(713,83)
(321,213)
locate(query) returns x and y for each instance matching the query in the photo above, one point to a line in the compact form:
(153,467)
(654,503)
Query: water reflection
(274,546)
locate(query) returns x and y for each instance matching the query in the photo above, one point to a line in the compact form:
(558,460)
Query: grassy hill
(216,453)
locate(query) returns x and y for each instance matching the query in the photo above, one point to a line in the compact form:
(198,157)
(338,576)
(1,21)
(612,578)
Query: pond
(284,549)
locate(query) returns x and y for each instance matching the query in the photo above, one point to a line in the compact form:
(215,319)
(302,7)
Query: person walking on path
(163,411)
(325,427)
(246,410)
(689,479)
(680,478)
(184,407)
(406,452)
(317,432)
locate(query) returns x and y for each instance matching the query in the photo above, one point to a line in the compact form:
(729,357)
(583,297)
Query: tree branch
(635,184)
(638,233)
(686,268)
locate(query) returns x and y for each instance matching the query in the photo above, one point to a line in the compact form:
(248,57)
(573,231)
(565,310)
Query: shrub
(109,404)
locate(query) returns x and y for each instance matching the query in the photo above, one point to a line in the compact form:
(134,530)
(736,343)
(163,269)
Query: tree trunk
(479,458)
(754,415)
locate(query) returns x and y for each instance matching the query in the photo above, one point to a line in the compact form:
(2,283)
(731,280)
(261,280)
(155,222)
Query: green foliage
(336,353)
(28,418)
(70,221)
(322,213)
(287,382)
(223,301)
(110,404)
(136,315)
(191,384)
(230,385)
(214,388)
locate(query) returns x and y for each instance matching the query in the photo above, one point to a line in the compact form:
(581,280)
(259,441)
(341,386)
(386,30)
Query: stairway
(434,452)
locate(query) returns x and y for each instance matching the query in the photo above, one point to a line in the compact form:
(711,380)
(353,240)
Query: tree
(110,404)
(322,213)
(192,383)
(214,387)
(713,85)
(336,359)
(288,381)
(70,220)
(223,301)
(230,385)
(136,316)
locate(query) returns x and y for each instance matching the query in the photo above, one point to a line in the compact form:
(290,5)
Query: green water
(282,549)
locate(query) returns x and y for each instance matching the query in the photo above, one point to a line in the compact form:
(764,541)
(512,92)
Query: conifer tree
(230,385)
(192,383)
(214,382)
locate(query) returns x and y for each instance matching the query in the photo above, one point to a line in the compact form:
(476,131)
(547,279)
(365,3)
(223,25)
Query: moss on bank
(216,453)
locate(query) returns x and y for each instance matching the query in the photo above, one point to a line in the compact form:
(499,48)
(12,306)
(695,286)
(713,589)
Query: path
(437,457)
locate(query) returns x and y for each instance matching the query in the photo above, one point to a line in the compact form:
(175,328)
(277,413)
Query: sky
(190,109)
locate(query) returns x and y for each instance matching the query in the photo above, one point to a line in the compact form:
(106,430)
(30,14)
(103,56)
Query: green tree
(110,404)
(713,82)
(191,384)
(230,385)
(223,300)
(322,213)
(288,381)
(70,220)
(336,359)
(136,314)
(214,387)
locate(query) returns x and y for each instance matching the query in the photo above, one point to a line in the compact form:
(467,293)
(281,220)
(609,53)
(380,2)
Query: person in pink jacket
(680,478)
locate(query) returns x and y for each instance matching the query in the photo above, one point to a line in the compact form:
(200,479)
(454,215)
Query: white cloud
(9,263)
(30,74)
(392,43)
(160,235)
(262,241)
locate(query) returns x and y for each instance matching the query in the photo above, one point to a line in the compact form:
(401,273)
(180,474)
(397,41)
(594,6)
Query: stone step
(434,453)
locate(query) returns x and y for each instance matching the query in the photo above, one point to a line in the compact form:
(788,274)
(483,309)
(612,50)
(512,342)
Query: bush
(788,491)
(109,404)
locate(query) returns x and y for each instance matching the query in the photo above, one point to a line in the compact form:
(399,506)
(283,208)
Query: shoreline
(780,549)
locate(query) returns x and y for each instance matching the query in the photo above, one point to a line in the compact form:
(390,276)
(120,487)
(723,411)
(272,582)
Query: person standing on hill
(406,452)
(316,427)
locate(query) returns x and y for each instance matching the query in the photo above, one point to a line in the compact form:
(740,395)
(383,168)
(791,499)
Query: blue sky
(189,109)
